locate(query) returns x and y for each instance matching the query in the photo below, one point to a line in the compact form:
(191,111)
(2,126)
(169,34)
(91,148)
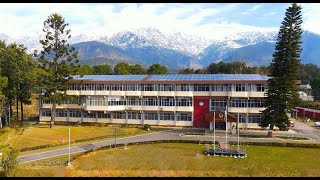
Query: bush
(146,127)
(9,161)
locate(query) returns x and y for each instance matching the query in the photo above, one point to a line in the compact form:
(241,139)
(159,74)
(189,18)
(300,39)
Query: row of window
(167,116)
(136,101)
(237,102)
(169,87)
(252,118)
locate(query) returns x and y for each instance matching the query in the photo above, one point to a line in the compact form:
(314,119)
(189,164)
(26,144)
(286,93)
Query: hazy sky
(208,20)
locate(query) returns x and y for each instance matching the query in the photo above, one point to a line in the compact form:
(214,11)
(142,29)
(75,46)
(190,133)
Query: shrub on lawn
(146,127)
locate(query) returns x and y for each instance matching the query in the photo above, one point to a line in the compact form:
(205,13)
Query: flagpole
(238,131)
(69,163)
(214,133)
(226,119)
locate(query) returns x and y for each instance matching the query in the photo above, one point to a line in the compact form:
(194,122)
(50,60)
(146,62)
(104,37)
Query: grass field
(37,135)
(179,159)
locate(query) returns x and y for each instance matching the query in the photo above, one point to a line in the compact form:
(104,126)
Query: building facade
(164,100)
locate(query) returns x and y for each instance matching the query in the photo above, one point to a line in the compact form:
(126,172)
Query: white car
(317,124)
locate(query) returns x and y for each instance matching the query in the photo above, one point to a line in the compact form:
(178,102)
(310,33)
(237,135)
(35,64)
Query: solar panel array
(111,77)
(175,77)
(205,77)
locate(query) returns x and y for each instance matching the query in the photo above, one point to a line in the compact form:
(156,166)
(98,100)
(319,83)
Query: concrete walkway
(169,135)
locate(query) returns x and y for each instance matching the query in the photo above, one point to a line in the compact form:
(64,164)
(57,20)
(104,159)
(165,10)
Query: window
(89,115)
(134,115)
(260,87)
(74,113)
(167,116)
(150,101)
(87,87)
(242,117)
(116,101)
(103,115)
(167,101)
(96,101)
(217,104)
(239,102)
(256,102)
(116,87)
(254,118)
(240,87)
(134,101)
(166,87)
(102,87)
(183,87)
(183,101)
(149,87)
(46,113)
(184,116)
(61,113)
(74,87)
(133,87)
(151,116)
(120,115)
(201,87)
(221,87)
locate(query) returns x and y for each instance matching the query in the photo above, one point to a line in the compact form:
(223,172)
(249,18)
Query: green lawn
(179,159)
(37,135)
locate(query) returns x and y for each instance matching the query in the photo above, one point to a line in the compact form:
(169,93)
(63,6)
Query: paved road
(172,135)
(306,130)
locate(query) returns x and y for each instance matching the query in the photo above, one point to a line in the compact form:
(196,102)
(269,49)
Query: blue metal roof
(176,77)
(110,77)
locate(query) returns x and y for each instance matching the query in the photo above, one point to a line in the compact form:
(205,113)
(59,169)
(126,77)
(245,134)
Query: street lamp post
(115,137)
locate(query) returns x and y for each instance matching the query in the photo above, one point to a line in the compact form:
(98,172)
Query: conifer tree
(284,71)
(58,61)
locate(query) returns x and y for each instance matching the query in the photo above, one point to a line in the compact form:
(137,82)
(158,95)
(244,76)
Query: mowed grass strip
(179,159)
(43,135)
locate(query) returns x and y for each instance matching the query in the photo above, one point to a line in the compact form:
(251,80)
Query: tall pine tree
(57,60)
(282,89)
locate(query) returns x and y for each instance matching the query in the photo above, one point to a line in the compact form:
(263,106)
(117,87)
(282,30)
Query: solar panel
(175,77)
(110,77)
(206,77)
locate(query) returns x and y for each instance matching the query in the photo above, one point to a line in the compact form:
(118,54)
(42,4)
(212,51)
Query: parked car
(317,124)
(291,123)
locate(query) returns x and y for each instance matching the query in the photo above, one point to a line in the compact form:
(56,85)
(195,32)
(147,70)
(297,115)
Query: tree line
(121,68)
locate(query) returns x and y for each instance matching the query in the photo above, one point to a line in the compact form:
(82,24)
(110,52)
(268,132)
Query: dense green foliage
(284,69)
(315,85)
(157,69)
(9,161)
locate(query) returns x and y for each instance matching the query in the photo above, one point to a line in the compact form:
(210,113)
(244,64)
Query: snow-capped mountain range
(176,50)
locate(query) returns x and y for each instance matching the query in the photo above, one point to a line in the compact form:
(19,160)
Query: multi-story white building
(164,100)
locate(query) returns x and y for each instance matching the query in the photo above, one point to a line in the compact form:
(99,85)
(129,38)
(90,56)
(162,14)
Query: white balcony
(89,120)
(149,93)
(151,122)
(245,110)
(183,123)
(45,118)
(257,94)
(134,121)
(166,123)
(87,93)
(117,93)
(201,93)
(73,92)
(150,108)
(104,120)
(237,94)
(74,119)
(184,108)
(133,93)
(219,93)
(61,119)
(62,106)
(166,93)
(119,121)
(102,93)
(184,93)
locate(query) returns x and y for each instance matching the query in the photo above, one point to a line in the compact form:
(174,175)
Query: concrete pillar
(81,115)
(158,118)
(142,118)
(97,116)
(68,115)
(247,121)
(126,117)
(175,118)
